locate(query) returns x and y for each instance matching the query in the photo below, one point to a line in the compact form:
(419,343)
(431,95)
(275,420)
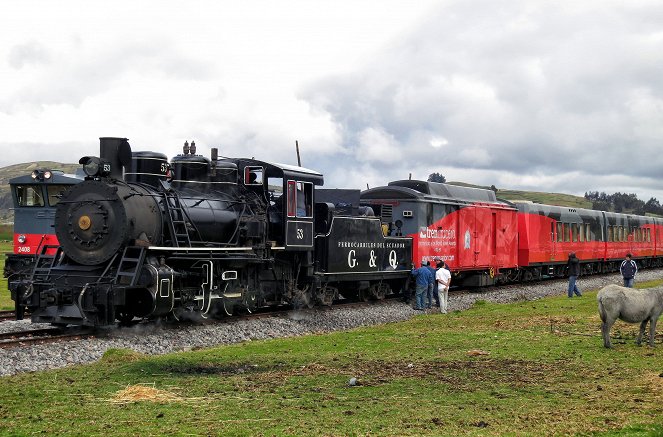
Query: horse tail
(602,313)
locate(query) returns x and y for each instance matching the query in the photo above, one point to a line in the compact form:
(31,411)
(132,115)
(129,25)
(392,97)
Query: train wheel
(379,291)
(325,295)
(228,306)
(124,317)
(250,300)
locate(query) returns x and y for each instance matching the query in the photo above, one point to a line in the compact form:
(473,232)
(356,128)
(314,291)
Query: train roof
(275,169)
(58,177)
(414,189)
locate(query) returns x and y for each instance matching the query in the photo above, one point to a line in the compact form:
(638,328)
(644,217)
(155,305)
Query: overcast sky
(534,95)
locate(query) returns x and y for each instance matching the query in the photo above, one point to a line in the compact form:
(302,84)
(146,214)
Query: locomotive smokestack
(117,152)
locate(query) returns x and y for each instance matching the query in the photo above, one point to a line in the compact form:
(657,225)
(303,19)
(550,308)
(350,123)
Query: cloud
(536,90)
(85,70)
(30,52)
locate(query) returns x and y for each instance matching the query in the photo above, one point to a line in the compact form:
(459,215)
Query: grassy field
(5,301)
(533,368)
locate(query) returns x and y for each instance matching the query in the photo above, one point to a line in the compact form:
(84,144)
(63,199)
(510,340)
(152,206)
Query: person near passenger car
(628,270)
(443,279)
(422,276)
(573,267)
(432,287)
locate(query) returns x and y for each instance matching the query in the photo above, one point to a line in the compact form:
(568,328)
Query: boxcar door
(467,250)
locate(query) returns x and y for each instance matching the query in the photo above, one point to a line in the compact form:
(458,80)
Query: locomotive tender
(196,236)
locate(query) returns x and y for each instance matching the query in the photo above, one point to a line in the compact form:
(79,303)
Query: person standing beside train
(432,287)
(443,279)
(422,275)
(628,270)
(573,267)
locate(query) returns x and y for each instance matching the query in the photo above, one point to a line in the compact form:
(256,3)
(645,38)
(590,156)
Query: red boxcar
(468,228)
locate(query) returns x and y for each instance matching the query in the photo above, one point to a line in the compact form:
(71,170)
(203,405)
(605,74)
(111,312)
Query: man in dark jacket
(423,277)
(432,288)
(573,266)
(628,270)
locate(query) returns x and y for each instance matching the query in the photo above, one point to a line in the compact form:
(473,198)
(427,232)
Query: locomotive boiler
(145,237)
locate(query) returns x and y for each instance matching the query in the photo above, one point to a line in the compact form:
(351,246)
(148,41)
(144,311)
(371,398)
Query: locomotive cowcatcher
(202,237)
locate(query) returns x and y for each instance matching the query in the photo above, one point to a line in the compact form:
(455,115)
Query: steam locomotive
(145,237)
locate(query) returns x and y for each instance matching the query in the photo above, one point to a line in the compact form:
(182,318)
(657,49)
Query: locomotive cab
(290,193)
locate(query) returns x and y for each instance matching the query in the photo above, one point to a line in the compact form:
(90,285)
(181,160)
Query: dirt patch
(463,375)
(213,369)
(655,382)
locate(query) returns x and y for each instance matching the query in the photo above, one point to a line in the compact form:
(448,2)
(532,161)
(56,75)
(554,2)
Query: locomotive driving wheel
(301,298)
(125,317)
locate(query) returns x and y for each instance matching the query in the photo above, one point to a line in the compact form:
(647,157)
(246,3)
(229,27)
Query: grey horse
(630,305)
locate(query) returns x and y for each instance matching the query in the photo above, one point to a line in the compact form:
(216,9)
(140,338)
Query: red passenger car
(468,228)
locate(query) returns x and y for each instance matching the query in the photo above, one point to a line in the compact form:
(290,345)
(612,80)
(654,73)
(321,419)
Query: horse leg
(643,325)
(652,330)
(605,331)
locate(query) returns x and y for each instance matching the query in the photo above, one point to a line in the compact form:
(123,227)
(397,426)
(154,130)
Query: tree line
(622,202)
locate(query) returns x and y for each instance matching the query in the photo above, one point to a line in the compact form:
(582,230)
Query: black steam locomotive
(144,237)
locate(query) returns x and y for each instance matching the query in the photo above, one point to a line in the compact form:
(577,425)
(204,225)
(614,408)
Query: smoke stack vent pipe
(117,152)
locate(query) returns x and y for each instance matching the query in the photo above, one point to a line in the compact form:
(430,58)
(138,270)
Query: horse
(630,305)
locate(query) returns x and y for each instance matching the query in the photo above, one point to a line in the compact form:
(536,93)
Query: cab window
(300,199)
(253,175)
(55,193)
(29,195)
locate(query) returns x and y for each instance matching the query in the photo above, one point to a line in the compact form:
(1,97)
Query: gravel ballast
(153,339)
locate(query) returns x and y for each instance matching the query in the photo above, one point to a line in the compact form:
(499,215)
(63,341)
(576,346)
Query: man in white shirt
(443,279)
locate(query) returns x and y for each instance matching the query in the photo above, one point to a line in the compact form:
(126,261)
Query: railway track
(41,336)
(11,315)
(7,315)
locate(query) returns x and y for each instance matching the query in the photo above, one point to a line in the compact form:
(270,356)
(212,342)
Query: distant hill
(536,197)
(12,171)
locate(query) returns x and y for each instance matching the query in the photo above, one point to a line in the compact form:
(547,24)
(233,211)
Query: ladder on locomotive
(45,262)
(177,221)
(128,270)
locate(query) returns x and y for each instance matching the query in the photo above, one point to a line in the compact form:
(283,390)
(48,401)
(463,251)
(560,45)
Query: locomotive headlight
(93,166)
(22,239)
(34,174)
(48,174)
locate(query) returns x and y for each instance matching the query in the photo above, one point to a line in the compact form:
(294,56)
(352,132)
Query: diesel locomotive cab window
(29,195)
(54,193)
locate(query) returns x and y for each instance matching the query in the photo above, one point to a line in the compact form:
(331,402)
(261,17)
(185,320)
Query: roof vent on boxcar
(448,191)
(386,212)
(147,168)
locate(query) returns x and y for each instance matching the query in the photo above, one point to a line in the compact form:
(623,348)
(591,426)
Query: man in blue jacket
(628,270)
(432,288)
(424,277)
